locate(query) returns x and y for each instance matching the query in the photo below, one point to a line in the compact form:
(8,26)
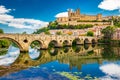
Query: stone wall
(78,23)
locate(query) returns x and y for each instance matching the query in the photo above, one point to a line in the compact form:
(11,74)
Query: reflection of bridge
(68,56)
(24,40)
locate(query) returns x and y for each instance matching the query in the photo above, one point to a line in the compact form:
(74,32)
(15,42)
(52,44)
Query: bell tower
(69,12)
(78,11)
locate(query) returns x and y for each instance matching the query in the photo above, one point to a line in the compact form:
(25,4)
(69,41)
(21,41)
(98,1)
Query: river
(88,62)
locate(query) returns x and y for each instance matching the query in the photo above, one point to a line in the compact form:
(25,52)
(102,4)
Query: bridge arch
(13,40)
(66,50)
(76,49)
(76,41)
(53,43)
(93,41)
(66,43)
(86,41)
(53,51)
(36,42)
(86,46)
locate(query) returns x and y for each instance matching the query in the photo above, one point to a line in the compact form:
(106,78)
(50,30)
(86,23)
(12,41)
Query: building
(78,32)
(76,18)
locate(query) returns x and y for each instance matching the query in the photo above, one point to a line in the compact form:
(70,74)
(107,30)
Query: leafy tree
(116,21)
(90,33)
(4,43)
(47,32)
(55,25)
(108,32)
(24,32)
(44,29)
(1,31)
(59,33)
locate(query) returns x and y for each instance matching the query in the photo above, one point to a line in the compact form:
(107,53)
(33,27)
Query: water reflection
(98,59)
(53,51)
(111,70)
(10,56)
(34,53)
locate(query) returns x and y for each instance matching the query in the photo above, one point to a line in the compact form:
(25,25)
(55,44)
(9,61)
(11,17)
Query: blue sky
(28,15)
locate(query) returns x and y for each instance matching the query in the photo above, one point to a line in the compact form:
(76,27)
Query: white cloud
(111,70)
(27,23)
(9,20)
(110,5)
(62,14)
(3,10)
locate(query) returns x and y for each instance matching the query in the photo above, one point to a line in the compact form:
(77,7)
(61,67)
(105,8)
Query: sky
(17,16)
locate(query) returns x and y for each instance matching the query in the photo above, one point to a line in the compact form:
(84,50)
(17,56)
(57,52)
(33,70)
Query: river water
(88,62)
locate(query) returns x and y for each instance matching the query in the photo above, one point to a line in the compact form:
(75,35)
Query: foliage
(108,53)
(55,25)
(35,44)
(59,33)
(68,75)
(108,32)
(116,22)
(47,32)
(76,76)
(1,31)
(90,52)
(24,32)
(90,33)
(44,29)
(4,43)
(3,52)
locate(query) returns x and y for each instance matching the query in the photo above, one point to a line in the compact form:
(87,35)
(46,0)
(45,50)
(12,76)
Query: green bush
(1,31)
(90,33)
(4,43)
(59,33)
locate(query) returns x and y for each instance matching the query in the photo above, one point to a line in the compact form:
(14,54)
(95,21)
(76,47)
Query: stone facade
(76,18)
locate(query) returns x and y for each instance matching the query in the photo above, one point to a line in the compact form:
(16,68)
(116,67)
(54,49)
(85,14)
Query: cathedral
(76,18)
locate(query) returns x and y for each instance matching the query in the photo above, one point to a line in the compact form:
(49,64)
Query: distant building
(79,32)
(76,18)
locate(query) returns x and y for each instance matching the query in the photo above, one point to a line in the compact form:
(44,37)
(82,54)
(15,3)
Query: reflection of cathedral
(75,17)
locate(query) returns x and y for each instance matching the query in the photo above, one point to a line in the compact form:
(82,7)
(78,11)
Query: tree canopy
(55,25)
(116,22)
(90,33)
(44,29)
(1,31)
(108,32)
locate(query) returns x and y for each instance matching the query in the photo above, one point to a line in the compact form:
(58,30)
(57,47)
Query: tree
(116,21)
(108,32)
(47,32)
(59,33)
(44,29)
(90,33)
(1,31)
(24,32)
(4,43)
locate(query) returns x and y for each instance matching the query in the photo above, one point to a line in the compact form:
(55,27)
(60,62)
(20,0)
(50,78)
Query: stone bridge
(24,40)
